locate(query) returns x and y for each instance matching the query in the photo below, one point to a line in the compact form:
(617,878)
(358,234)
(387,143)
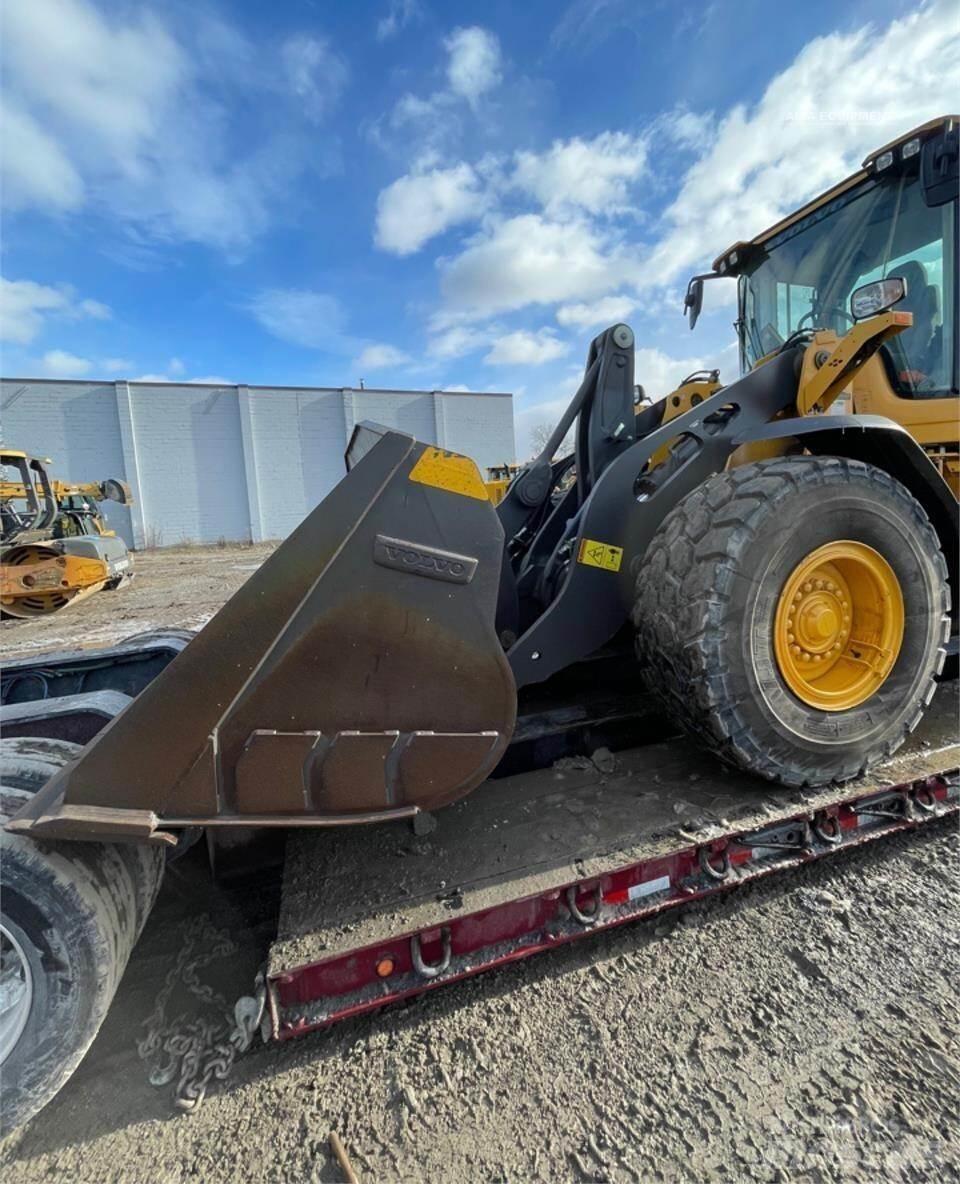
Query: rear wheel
(793,615)
(71,915)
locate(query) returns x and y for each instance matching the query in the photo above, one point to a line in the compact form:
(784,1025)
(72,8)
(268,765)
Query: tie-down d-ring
(584,916)
(425,968)
(827,828)
(925,799)
(718,871)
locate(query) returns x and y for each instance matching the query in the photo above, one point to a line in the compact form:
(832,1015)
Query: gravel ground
(802,1028)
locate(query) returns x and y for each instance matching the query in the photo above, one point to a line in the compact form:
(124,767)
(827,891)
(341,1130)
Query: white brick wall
(227,462)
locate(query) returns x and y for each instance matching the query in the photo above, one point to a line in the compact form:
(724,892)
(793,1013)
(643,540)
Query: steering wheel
(808,316)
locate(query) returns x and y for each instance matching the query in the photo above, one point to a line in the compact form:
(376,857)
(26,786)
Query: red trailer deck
(376,914)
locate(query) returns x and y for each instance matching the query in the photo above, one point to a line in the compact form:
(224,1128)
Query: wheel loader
(55,547)
(774,560)
(783,558)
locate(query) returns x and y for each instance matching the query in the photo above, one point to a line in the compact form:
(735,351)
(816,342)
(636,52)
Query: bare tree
(540,433)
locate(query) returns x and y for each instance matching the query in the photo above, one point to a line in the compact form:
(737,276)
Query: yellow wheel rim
(839,625)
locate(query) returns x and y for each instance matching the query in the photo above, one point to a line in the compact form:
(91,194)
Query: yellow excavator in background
(55,547)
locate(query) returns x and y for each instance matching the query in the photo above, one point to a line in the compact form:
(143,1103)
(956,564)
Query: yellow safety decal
(604,555)
(450,471)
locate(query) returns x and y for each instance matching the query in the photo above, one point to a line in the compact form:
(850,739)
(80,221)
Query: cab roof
(729,262)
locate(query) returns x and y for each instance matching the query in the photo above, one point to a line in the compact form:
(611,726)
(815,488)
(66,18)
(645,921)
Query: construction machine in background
(498,480)
(55,547)
(781,559)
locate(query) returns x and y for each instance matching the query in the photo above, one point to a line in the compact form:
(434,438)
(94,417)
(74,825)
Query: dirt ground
(803,1028)
(177,588)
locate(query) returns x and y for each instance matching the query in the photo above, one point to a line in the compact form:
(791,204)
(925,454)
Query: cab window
(920,360)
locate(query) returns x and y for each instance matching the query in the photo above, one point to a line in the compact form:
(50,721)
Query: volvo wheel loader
(780,552)
(55,547)
(782,556)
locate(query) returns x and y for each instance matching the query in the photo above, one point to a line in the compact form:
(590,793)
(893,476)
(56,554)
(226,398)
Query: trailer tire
(706,609)
(71,915)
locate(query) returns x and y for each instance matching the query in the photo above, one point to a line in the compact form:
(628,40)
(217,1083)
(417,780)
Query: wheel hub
(839,625)
(16,992)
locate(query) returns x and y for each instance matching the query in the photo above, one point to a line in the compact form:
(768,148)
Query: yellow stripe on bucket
(450,471)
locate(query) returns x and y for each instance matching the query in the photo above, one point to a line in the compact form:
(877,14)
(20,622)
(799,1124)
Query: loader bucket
(357,675)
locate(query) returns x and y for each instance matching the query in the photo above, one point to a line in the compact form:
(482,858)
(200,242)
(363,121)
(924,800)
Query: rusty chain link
(195,1050)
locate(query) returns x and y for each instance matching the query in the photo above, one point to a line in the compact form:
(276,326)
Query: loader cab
(897,217)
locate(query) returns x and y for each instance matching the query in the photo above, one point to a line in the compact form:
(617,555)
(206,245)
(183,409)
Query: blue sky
(420,194)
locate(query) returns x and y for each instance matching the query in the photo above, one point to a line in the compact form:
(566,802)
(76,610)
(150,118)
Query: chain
(196,1050)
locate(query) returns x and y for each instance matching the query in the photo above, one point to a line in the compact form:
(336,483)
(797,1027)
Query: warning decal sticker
(604,555)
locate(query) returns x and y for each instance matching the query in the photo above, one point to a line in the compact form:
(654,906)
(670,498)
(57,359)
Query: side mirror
(693,301)
(870,299)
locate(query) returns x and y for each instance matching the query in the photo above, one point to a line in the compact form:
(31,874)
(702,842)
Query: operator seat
(917,351)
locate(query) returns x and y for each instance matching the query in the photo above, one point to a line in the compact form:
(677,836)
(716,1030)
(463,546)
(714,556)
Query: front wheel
(793,615)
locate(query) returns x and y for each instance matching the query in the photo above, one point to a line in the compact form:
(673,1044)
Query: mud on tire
(71,913)
(706,599)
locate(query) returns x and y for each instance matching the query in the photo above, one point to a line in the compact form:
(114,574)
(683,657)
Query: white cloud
(605,311)
(400,14)
(300,316)
(590,174)
(426,127)
(317,73)
(457,388)
(25,306)
(115,365)
(418,206)
(381,356)
(175,126)
(175,366)
(36,171)
(814,124)
(456,341)
(95,309)
(530,259)
(474,64)
(57,363)
(522,348)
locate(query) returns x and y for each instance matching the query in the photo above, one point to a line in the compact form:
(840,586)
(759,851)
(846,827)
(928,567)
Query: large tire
(71,915)
(706,603)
